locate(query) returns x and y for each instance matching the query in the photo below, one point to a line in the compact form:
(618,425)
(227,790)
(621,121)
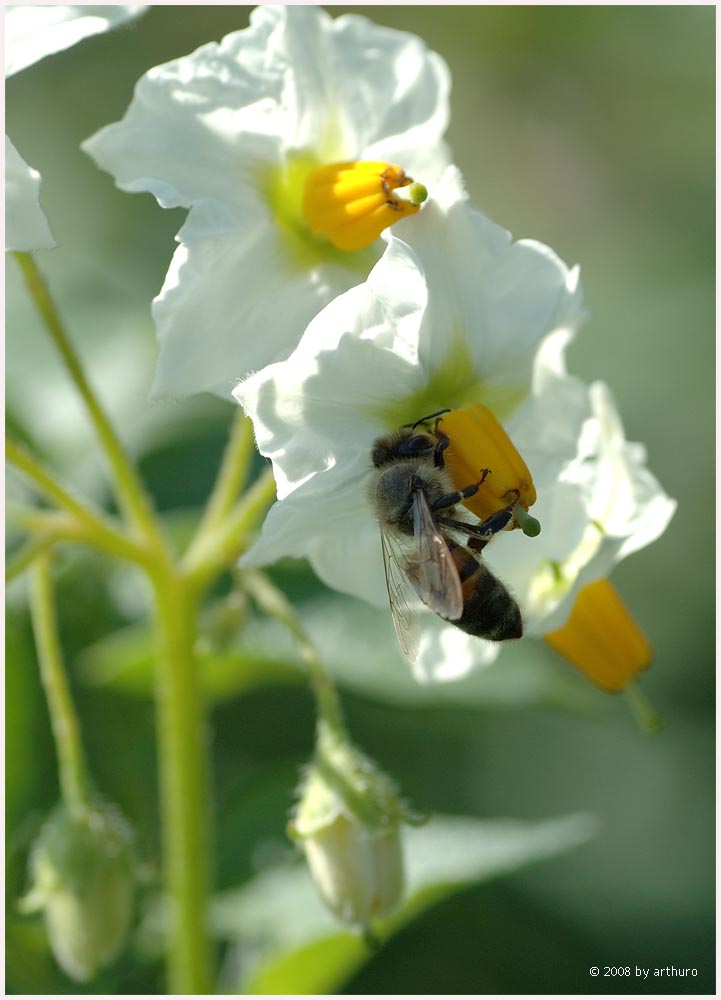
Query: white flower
(26,226)
(234,133)
(453,313)
(31,33)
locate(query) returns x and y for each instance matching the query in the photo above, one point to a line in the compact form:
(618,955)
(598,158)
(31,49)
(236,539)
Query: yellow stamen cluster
(479,442)
(601,639)
(352,203)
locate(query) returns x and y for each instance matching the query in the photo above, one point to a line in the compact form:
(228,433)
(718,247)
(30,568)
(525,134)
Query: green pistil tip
(529,525)
(417,193)
(648,719)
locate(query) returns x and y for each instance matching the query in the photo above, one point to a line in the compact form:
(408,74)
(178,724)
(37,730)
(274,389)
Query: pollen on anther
(352,203)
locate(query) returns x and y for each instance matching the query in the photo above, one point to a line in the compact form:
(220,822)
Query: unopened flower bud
(348,819)
(82,872)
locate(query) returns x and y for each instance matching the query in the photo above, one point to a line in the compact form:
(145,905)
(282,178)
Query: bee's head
(405,443)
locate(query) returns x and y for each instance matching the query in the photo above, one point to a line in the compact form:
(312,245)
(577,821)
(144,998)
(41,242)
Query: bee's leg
(479,535)
(493,523)
(443,442)
(451,499)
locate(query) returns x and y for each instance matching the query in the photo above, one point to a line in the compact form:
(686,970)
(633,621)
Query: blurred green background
(590,129)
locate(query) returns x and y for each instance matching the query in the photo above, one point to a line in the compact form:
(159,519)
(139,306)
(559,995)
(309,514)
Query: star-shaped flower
(293,144)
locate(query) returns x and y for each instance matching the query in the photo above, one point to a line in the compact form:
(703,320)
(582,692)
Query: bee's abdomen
(489,611)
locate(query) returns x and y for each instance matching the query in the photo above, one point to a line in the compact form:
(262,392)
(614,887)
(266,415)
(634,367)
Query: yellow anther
(478,442)
(601,639)
(352,203)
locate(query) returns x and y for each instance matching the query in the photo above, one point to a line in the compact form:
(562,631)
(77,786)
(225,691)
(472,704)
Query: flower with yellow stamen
(352,203)
(271,139)
(601,638)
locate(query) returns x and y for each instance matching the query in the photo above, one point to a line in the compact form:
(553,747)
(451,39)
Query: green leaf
(286,942)
(124,662)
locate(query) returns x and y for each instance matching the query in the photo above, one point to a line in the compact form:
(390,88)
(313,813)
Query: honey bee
(415,502)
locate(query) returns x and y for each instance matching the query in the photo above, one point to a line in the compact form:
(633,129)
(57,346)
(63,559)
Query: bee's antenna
(430,416)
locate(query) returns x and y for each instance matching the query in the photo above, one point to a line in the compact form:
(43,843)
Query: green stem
(46,482)
(273,601)
(74,781)
(231,476)
(132,498)
(83,524)
(182,744)
(647,717)
(222,547)
(184,767)
(28,554)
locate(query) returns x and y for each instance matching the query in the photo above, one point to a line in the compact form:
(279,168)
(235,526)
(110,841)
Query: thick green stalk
(132,498)
(183,766)
(74,781)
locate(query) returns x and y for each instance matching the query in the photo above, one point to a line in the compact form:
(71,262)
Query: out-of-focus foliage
(590,129)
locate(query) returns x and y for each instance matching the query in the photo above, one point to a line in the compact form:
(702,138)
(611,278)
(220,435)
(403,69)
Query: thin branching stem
(132,499)
(273,601)
(232,476)
(72,766)
(16,565)
(222,547)
(77,522)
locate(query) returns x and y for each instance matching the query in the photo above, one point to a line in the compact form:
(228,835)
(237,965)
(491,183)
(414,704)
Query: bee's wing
(400,595)
(434,576)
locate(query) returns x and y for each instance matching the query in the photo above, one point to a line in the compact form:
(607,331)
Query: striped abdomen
(489,611)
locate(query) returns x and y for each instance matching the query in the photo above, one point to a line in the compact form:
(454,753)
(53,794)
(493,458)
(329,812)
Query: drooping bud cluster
(348,820)
(82,872)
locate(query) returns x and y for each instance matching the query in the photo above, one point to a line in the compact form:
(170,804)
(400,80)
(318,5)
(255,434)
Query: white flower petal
(26,227)
(494,299)
(446,653)
(627,500)
(389,95)
(319,409)
(216,130)
(33,32)
(604,506)
(335,530)
(231,304)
